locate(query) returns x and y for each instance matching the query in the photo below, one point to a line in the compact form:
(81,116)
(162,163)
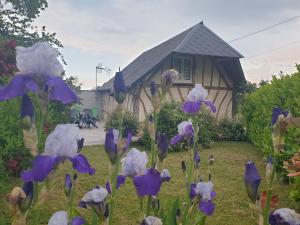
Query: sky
(115,32)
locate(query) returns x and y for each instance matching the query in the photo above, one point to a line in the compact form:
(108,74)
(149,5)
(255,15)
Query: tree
(16,22)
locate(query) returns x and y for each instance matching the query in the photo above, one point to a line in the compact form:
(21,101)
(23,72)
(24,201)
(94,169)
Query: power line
(273,50)
(264,29)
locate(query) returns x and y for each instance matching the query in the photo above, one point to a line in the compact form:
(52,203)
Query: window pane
(177,64)
(187,69)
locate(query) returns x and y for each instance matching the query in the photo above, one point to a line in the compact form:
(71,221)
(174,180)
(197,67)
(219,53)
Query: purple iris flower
(276,113)
(193,193)
(162,145)
(39,70)
(119,87)
(111,144)
(205,191)
(62,218)
(197,159)
(95,198)
(28,188)
(77,221)
(148,184)
(284,216)
(82,165)
(195,98)
(42,165)
(27,108)
(68,184)
(120,181)
(185,129)
(21,84)
(207,207)
(252,180)
(29,191)
(63,144)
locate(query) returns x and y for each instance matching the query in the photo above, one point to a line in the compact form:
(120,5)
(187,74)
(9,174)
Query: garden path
(93,136)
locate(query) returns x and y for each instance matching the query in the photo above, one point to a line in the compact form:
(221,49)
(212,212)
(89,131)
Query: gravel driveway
(93,136)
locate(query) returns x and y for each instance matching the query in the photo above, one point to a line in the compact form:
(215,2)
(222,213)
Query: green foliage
(129,122)
(145,140)
(256,110)
(17,19)
(13,154)
(294,195)
(230,130)
(208,129)
(168,119)
(30,9)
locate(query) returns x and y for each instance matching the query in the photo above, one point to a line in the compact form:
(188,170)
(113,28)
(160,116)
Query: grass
(232,203)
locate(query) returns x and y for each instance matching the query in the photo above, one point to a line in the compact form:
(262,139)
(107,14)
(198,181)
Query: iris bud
(119,88)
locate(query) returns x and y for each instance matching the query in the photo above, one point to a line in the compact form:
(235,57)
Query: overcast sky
(114,32)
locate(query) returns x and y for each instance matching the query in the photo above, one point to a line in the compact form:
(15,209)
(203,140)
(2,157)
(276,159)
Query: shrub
(145,139)
(168,119)
(230,130)
(208,129)
(256,110)
(13,154)
(129,122)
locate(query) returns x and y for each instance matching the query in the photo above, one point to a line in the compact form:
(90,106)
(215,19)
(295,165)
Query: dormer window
(184,65)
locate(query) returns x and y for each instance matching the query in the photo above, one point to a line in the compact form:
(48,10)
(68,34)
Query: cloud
(120,30)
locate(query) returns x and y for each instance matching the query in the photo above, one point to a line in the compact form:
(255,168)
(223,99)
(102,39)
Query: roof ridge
(224,41)
(192,30)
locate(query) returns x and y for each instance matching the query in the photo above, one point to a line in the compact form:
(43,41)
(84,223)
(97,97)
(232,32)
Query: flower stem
(202,221)
(190,173)
(266,210)
(71,201)
(113,182)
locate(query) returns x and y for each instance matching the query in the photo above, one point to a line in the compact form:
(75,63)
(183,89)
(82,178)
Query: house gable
(197,40)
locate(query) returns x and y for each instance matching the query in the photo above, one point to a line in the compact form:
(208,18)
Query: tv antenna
(100,68)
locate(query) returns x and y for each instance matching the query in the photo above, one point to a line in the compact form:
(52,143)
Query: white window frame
(182,58)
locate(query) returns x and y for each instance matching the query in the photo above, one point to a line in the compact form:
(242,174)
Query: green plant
(208,129)
(168,119)
(230,130)
(256,110)
(129,122)
(145,139)
(294,195)
(13,154)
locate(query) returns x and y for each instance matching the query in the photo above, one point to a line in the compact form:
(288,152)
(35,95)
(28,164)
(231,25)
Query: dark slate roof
(198,40)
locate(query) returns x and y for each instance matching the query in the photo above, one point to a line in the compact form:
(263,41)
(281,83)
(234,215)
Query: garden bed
(227,174)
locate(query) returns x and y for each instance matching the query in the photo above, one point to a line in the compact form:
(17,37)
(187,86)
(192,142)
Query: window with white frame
(184,65)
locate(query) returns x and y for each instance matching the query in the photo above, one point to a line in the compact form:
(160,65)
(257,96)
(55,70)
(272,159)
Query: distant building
(89,100)
(199,55)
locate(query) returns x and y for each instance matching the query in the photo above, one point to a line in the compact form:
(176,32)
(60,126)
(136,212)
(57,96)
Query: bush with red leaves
(7,58)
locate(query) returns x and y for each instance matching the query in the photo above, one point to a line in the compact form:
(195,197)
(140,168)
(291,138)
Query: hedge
(256,110)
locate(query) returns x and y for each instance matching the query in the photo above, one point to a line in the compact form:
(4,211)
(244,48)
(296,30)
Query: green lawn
(227,174)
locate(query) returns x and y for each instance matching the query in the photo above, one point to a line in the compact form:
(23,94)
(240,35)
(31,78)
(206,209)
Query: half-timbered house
(199,55)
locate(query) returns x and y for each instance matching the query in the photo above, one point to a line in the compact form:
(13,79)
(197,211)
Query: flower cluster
(39,71)
(60,145)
